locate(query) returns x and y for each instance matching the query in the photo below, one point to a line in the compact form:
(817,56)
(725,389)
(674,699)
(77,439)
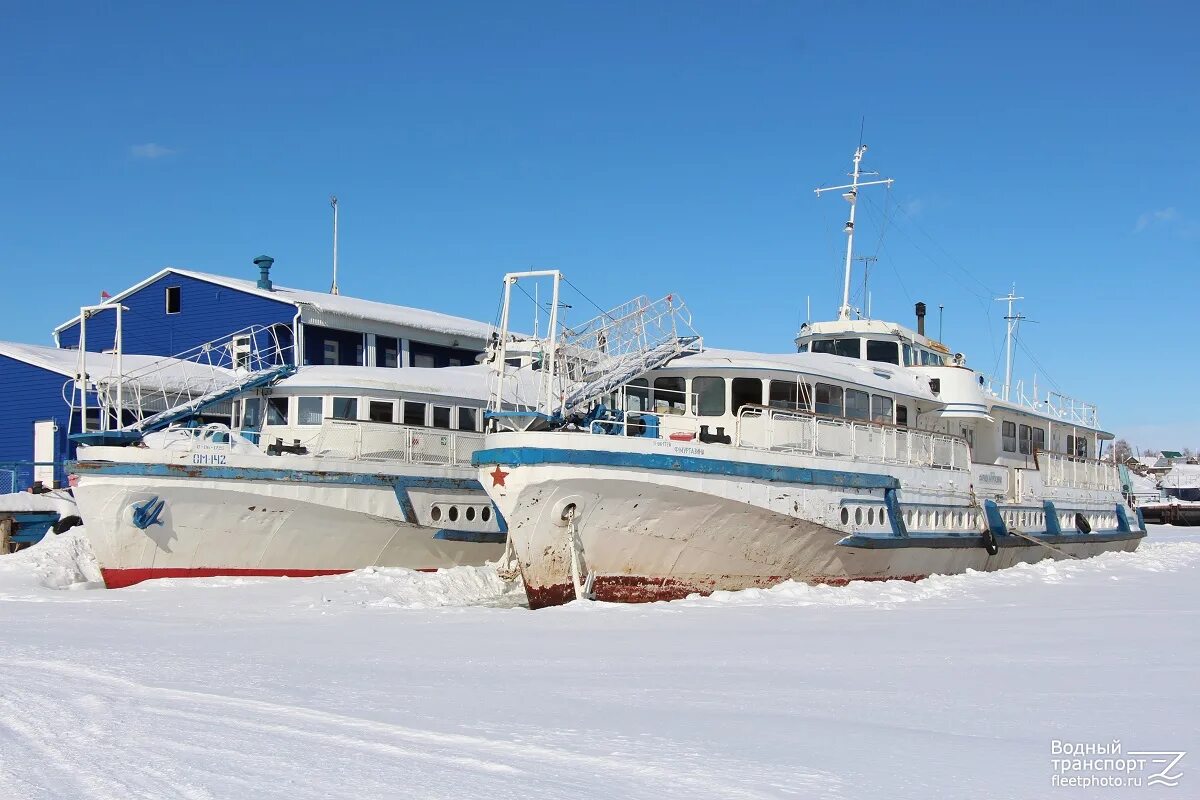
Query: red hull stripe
(119,578)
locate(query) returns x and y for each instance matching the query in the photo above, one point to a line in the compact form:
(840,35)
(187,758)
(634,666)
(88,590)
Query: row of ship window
(709,398)
(883,351)
(934,519)
(254,412)
(1024,439)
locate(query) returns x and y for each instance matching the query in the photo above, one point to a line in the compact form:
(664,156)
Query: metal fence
(8,481)
(806,433)
(378,441)
(1072,472)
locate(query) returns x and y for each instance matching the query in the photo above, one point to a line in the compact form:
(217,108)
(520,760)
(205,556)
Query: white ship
(329,470)
(653,468)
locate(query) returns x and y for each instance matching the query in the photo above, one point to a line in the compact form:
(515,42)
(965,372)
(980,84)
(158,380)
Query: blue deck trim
(1122,518)
(1052,526)
(970,541)
(995,521)
(1141,520)
(523,456)
(483,537)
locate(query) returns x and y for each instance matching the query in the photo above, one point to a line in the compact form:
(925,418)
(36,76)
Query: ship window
(637,395)
(345,408)
(881,409)
(930,359)
(252,412)
(710,396)
(1025,439)
(902,415)
(277,411)
(829,399)
(467,418)
(858,404)
(910,359)
(1081,448)
(441,417)
(850,348)
(309,410)
(387,351)
(174,299)
(1008,432)
(235,415)
(1039,438)
(381,411)
(414,413)
(669,395)
(746,391)
(331,351)
(886,352)
(790,394)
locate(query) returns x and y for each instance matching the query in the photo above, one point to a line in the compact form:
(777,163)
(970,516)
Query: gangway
(581,364)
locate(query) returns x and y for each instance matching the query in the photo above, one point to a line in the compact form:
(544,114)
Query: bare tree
(1121,451)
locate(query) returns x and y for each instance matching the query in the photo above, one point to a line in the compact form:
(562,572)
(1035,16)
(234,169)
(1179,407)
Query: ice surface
(389,683)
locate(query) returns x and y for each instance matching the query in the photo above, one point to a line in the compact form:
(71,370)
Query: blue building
(176,310)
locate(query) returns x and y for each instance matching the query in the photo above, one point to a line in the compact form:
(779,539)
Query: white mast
(851,197)
(333,202)
(1012,320)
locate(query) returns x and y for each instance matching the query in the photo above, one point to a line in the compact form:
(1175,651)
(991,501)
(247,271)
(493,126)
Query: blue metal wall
(31,394)
(207,311)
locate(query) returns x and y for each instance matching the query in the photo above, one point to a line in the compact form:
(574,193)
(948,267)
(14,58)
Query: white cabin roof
(469,383)
(100,365)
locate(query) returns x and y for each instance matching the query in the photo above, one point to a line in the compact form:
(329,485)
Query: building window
(345,408)
(669,396)
(829,399)
(309,410)
(1008,433)
(331,351)
(454,362)
(792,395)
(251,412)
(1039,439)
(710,396)
(467,418)
(881,409)
(387,351)
(746,391)
(858,404)
(359,355)
(884,352)
(414,413)
(174,299)
(277,411)
(441,417)
(381,411)
(1024,440)
(423,360)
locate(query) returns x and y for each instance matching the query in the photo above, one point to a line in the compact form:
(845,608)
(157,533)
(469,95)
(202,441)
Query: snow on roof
(1142,485)
(352,307)
(1182,476)
(104,365)
(868,373)
(469,383)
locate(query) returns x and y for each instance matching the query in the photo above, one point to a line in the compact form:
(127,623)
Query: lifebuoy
(989,542)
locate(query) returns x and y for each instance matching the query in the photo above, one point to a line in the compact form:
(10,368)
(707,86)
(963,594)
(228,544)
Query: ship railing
(360,440)
(1064,471)
(808,433)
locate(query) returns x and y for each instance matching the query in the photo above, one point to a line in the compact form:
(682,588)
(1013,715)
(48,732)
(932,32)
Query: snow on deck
(388,683)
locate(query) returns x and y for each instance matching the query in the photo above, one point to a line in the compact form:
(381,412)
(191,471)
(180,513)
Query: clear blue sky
(642,148)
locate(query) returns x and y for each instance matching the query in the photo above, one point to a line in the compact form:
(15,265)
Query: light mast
(851,196)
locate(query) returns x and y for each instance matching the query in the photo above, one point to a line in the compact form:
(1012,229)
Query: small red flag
(105,295)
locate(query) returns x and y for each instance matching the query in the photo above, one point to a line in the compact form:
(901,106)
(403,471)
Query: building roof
(154,371)
(1172,454)
(352,307)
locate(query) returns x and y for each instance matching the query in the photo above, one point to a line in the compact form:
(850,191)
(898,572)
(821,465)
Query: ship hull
(681,526)
(147,521)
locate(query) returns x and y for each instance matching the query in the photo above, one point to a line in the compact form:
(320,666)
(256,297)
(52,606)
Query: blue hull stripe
(973,542)
(481,537)
(522,456)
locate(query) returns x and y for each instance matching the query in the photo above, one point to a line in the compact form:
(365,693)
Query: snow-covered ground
(388,683)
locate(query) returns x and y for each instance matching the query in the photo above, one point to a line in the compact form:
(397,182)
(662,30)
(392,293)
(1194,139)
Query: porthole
(845,516)
(436,513)
(486,514)
(470,513)
(870,516)
(858,516)
(909,516)
(923,519)
(453,513)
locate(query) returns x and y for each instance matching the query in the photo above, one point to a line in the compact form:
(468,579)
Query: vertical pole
(549,376)
(82,376)
(333,202)
(120,371)
(844,311)
(941,313)
(502,353)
